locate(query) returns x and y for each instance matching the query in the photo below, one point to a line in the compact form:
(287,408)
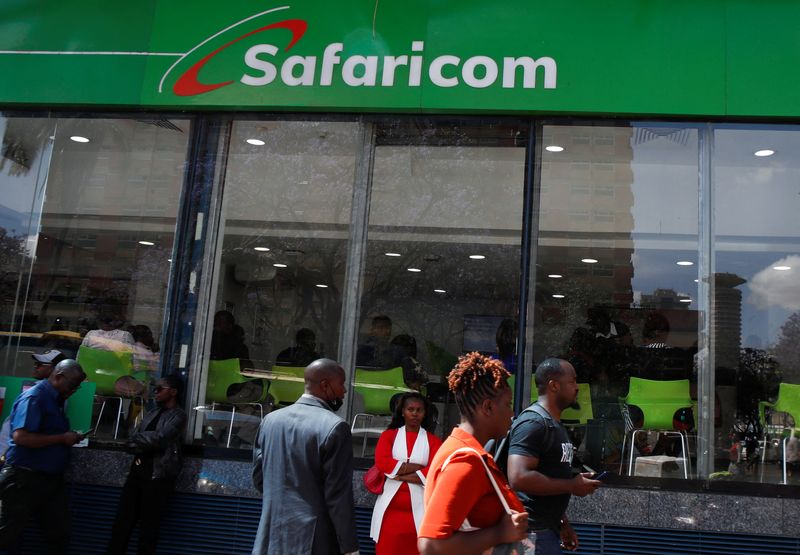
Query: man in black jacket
(156,463)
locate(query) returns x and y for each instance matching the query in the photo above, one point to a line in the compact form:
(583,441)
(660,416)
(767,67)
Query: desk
(271,375)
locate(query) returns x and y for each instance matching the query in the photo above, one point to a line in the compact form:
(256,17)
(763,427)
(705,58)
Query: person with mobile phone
(540,459)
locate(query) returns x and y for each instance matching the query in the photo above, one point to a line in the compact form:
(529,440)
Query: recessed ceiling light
(589,260)
(146,243)
(414,270)
(558,296)
(169,260)
(697,281)
(280,265)
(685,263)
(79,139)
(439,291)
(261,249)
(686,300)
(392,254)
(322,286)
(477,256)
(555,276)
(255,142)
(782,268)
(554,148)
(763,153)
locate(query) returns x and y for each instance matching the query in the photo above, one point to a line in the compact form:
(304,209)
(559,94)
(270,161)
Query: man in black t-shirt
(540,459)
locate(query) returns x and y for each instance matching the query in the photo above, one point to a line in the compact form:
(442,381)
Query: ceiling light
(558,296)
(392,254)
(146,243)
(764,153)
(439,291)
(169,260)
(79,139)
(554,148)
(782,268)
(414,270)
(589,260)
(255,142)
(477,256)
(697,281)
(685,300)
(280,265)
(322,286)
(555,276)
(685,263)
(261,249)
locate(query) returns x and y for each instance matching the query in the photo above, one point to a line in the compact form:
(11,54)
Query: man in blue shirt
(32,480)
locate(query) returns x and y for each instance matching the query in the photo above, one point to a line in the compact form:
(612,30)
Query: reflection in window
(757,303)
(95,250)
(283,253)
(442,265)
(611,294)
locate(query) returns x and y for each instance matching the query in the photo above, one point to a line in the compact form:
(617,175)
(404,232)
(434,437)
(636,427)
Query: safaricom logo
(262,66)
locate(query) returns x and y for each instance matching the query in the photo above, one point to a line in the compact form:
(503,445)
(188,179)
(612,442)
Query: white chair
(368,425)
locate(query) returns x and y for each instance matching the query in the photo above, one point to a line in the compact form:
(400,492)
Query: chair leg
(230,428)
(100,416)
(119,416)
(685,449)
(633,447)
(622,453)
(785,474)
(763,458)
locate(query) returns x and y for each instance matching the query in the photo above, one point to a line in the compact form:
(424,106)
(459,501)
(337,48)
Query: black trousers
(25,493)
(142,500)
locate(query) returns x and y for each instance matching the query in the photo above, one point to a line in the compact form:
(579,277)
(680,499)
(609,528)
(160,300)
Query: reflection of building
(726,310)
(662,299)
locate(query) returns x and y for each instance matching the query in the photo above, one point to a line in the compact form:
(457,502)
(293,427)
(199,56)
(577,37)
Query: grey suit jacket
(303,465)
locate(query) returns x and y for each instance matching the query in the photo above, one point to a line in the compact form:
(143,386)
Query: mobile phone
(602,476)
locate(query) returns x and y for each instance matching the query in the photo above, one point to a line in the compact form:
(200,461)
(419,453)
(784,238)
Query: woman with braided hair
(464,512)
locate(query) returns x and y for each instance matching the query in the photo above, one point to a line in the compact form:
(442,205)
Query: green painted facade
(634,57)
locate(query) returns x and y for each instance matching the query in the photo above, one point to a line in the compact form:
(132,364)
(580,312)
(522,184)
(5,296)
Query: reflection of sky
(757,203)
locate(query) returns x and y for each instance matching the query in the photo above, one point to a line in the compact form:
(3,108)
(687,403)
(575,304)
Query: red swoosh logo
(188,84)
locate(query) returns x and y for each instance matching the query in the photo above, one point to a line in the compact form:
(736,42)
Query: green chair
(287,385)
(13,385)
(658,400)
(104,368)
(222,374)
(377,387)
(788,402)
(582,415)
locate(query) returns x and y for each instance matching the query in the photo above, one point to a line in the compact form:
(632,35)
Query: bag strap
(488,473)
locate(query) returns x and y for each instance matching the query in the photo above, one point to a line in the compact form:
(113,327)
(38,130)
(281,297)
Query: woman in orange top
(403,453)
(460,496)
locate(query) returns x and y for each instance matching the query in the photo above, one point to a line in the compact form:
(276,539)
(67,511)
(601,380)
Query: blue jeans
(548,542)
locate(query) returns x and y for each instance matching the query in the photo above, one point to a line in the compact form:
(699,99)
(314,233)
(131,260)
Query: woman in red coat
(403,453)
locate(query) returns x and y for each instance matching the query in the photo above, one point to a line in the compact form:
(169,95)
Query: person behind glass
(156,446)
(377,351)
(506,341)
(32,480)
(227,340)
(145,355)
(462,490)
(109,337)
(403,453)
(302,353)
(540,459)
(406,357)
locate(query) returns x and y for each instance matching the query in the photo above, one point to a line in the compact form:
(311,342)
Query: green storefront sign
(703,58)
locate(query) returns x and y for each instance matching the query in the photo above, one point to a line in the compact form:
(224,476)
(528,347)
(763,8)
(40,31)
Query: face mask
(335,404)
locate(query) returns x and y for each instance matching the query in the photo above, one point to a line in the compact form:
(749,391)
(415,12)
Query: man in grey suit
(303,465)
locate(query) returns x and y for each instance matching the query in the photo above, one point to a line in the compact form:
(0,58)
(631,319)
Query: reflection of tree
(758,379)
(12,259)
(787,348)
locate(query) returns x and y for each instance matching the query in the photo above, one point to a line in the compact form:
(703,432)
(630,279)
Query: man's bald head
(325,379)
(67,377)
(321,369)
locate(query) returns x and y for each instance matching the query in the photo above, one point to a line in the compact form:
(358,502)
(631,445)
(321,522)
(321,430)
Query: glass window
(616,291)
(282,251)
(441,274)
(756,301)
(94,247)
